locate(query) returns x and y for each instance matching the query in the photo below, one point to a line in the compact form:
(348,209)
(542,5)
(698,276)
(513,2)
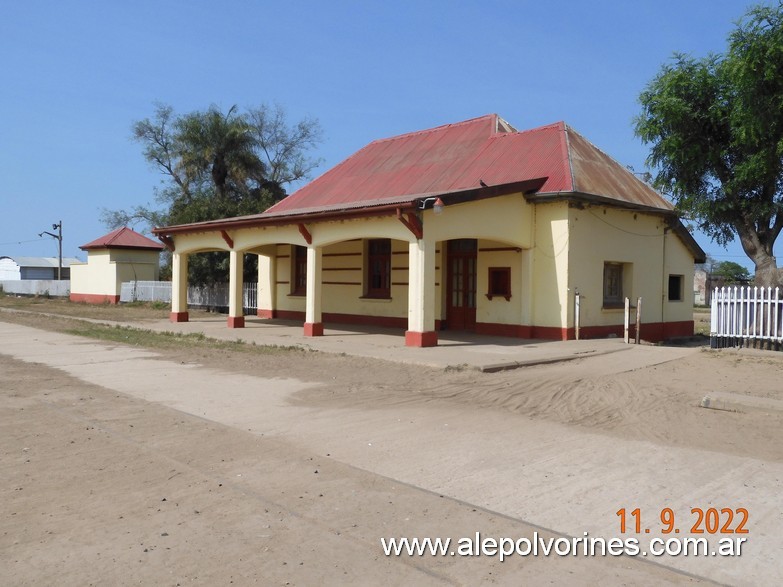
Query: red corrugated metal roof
(459,156)
(122,238)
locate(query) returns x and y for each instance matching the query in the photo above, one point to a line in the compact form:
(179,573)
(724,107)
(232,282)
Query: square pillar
(179,287)
(527,278)
(313,325)
(421,295)
(236,314)
(267,286)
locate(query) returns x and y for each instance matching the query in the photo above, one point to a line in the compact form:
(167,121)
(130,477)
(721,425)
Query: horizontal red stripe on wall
(654,332)
(94,298)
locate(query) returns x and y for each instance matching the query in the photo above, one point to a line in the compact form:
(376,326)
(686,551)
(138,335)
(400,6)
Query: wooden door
(461,284)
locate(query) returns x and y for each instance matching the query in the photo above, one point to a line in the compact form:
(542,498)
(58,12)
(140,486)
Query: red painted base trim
(236,321)
(421,339)
(313,329)
(675,329)
(553,332)
(288,315)
(383,321)
(265,313)
(94,298)
(652,332)
(178,317)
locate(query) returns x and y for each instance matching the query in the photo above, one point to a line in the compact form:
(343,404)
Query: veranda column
(421,295)
(236,314)
(267,275)
(179,287)
(313,325)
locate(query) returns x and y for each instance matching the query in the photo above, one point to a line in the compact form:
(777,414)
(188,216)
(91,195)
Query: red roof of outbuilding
(463,156)
(122,238)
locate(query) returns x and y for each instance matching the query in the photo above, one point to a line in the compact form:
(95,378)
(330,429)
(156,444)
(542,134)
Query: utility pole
(59,236)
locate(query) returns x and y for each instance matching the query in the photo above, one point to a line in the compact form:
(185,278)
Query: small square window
(499,283)
(675,287)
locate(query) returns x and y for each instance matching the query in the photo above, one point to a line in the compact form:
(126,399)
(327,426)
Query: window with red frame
(499,283)
(299,277)
(378,268)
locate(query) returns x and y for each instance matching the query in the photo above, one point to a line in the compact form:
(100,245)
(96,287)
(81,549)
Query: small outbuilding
(28,268)
(121,255)
(473,226)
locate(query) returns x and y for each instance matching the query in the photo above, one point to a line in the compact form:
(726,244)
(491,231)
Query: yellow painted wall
(343,281)
(679,261)
(550,258)
(498,310)
(505,218)
(635,239)
(562,249)
(105,270)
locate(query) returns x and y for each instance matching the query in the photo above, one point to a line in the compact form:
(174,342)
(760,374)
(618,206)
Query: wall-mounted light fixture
(437,204)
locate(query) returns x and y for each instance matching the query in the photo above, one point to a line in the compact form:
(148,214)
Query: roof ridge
(114,238)
(567,147)
(492,116)
(624,168)
(561,124)
(441,127)
(116,234)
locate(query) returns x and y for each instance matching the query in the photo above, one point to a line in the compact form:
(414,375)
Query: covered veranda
(418,228)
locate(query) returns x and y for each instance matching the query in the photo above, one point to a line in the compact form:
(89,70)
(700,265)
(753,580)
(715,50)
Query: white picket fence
(213,296)
(746,316)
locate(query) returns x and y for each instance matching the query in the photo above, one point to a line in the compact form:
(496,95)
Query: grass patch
(150,305)
(168,340)
(69,318)
(130,312)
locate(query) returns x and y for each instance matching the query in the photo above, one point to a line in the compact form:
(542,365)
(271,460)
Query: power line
(35,240)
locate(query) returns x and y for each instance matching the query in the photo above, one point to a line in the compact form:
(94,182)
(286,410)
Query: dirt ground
(116,487)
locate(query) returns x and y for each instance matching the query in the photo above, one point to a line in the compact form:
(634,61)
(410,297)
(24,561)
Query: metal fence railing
(211,296)
(743,316)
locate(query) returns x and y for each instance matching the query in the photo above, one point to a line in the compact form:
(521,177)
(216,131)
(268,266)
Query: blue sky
(77,74)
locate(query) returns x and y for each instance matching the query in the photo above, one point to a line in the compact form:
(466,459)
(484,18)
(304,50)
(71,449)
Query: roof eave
(595,199)
(678,228)
(411,205)
(126,247)
(281,220)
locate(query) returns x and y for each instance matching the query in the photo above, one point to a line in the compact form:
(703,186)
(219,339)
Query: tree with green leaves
(731,272)
(217,165)
(715,126)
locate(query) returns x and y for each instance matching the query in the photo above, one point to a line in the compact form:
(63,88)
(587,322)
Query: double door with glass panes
(461,255)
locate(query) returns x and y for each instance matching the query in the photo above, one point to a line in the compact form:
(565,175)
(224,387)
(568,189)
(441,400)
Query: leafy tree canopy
(731,272)
(715,127)
(217,165)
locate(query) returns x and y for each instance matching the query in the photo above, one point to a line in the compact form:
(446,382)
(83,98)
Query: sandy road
(113,431)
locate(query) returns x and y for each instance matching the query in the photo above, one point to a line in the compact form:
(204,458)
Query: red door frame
(461,263)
